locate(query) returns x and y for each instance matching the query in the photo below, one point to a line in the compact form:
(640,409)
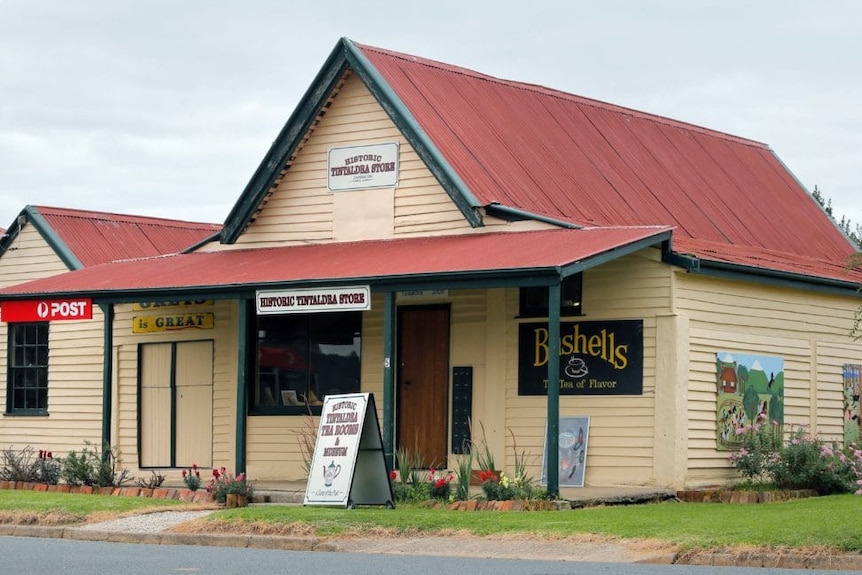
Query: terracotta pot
(242,500)
(230,500)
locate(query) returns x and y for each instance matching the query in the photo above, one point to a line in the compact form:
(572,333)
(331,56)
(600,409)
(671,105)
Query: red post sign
(46,310)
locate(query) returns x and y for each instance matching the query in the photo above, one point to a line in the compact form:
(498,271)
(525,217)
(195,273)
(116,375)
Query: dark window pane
(302,358)
(27,375)
(534,300)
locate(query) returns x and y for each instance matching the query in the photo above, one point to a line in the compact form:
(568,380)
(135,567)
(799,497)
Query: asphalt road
(37,556)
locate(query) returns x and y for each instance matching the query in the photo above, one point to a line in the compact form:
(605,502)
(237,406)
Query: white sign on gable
(362,167)
(348,467)
(353,298)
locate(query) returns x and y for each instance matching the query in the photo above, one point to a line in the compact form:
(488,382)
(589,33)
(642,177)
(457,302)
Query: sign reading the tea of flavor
(596,358)
(348,467)
(354,298)
(46,310)
(362,167)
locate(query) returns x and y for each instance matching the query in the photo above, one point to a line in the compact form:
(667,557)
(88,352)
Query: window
(28,368)
(302,358)
(534,300)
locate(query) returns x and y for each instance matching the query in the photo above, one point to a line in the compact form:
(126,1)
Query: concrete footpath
(176,527)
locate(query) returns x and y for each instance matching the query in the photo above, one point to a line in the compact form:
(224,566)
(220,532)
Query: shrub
(192,477)
(49,469)
(153,481)
(803,462)
(19,465)
(94,468)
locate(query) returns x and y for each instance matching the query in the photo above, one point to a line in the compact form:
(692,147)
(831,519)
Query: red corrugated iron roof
(759,258)
(592,163)
(463,256)
(99,237)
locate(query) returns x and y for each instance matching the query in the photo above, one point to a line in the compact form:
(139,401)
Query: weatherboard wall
(809,330)
(75,361)
(300,208)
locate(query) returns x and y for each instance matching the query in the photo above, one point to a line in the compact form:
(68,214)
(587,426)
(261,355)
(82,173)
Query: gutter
(511,213)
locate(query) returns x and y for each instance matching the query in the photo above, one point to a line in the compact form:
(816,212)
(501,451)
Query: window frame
(256,407)
(18,343)
(533,300)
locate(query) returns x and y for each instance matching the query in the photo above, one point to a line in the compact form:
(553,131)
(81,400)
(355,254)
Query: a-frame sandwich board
(349,466)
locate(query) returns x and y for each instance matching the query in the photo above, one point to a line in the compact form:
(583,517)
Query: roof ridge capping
(121,217)
(560,94)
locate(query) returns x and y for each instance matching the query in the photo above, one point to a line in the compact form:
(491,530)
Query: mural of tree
(751,404)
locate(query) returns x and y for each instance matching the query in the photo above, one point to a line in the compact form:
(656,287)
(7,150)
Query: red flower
(49,455)
(392,475)
(440,483)
(184,473)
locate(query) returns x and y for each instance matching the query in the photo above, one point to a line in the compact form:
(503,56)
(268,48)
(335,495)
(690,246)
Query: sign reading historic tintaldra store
(596,358)
(348,467)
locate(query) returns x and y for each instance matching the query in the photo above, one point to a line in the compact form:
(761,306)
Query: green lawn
(830,522)
(821,521)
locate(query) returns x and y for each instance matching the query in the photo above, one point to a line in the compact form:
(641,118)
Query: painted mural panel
(852,413)
(750,390)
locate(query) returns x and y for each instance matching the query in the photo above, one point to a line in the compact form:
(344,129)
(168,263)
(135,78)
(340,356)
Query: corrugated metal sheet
(99,237)
(592,163)
(439,255)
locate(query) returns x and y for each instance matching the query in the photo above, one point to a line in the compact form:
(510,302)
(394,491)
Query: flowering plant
(441,486)
(192,477)
(224,483)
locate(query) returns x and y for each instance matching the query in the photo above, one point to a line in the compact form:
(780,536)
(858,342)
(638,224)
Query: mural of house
(52,386)
(452,242)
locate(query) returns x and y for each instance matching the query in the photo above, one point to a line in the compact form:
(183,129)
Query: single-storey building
(51,373)
(566,280)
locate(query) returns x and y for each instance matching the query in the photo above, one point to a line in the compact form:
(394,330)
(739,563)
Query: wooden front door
(423,382)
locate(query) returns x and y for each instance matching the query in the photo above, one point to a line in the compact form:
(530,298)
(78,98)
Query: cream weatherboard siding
(300,208)
(810,330)
(621,447)
(75,362)
(221,425)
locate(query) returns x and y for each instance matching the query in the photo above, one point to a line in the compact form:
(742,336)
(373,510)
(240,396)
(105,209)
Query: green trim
(242,386)
(614,253)
(760,276)
(107,373)
(53,240)
(512,214)
(285,144)
(413,132)
(552,457)
(172,386)
(389,357)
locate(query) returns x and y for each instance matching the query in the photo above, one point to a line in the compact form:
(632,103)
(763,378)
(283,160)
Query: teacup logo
(330,472)
(577,368)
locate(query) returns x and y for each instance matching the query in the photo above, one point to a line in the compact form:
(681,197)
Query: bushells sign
(596,358)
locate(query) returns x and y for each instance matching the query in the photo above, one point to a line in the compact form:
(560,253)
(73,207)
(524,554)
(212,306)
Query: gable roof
(86,238)
(519,150)
(472,260)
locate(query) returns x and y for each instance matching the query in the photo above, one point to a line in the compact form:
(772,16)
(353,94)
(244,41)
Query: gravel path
(155,522)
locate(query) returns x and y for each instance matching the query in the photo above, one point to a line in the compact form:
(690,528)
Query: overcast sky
(165,107)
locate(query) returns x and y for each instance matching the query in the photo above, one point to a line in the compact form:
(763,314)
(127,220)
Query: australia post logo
(46,310)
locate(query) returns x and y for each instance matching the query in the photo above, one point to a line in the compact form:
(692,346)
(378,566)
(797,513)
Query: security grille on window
(27,387)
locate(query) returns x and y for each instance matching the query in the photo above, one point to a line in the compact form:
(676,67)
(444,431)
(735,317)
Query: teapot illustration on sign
(330,472)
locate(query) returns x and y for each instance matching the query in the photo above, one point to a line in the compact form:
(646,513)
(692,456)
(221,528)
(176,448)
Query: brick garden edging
(720,495)
(179,494)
